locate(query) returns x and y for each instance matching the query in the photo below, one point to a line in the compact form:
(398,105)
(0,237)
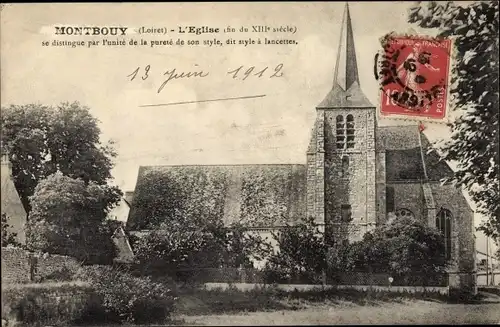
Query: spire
(346,68)
(346,91)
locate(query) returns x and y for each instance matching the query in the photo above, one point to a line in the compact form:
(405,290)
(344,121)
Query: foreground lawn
(272,307)
(403,312)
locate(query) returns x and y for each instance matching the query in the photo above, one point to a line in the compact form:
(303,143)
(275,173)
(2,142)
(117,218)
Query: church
(355,174)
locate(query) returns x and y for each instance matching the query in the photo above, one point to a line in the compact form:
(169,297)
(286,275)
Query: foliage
(131,299)
(46,304)
(181,194)
(475,137)
(242,245)
(8,237)
(42,140)
(302,253)
(64,274)
(175,247)
(402,247)
(264,197)
(180,249)
(164,194)
(68,218)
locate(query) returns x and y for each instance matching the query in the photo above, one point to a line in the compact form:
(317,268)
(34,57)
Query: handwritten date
(241,73)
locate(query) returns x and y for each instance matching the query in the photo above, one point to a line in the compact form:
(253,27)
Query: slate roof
(408,155)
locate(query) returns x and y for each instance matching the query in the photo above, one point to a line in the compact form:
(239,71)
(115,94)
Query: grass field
(232,307)
(404,312)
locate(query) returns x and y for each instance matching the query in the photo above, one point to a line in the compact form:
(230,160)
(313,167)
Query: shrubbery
(101,294)
(47,304)
(183,249)
(301,257)
(412,252)
(126,298)
(404,248)
(8,238)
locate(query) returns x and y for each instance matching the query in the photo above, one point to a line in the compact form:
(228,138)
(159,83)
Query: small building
(119,215)
(11,204)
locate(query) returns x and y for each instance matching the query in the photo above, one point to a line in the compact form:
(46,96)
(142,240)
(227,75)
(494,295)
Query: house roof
(258,195)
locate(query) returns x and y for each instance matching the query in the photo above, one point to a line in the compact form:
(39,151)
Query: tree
(42,140)
(302,253)
(475,137)
(8,238)
(243,245)
(401,247)
(68,217)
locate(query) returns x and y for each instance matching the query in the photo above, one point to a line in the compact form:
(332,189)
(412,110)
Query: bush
(8,238)
(276,273)
(126,298)
(301,257)
(405,248)
(64,274)
(47,304)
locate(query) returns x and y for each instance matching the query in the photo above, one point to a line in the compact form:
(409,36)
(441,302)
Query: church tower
(341,188)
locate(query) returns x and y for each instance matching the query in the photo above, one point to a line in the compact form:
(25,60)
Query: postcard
(224,163)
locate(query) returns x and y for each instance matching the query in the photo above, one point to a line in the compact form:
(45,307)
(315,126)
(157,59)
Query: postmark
(413,73)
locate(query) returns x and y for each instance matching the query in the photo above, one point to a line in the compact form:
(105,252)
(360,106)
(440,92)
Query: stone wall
(15,265)
(20,266)
(409,195)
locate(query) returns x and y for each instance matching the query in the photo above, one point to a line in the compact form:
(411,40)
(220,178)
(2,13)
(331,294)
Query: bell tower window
(345,132)
(340,132)
(350,131)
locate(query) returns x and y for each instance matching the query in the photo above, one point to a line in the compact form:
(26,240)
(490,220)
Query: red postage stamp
(413,75)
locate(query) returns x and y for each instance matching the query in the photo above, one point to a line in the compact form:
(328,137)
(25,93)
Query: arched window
(404,213)
(350,131)
(345,166)
(340,132)
(443,223)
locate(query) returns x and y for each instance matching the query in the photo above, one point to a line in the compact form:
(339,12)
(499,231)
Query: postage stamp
(413,72)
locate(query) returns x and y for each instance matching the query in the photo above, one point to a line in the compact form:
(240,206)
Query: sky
(274,128)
